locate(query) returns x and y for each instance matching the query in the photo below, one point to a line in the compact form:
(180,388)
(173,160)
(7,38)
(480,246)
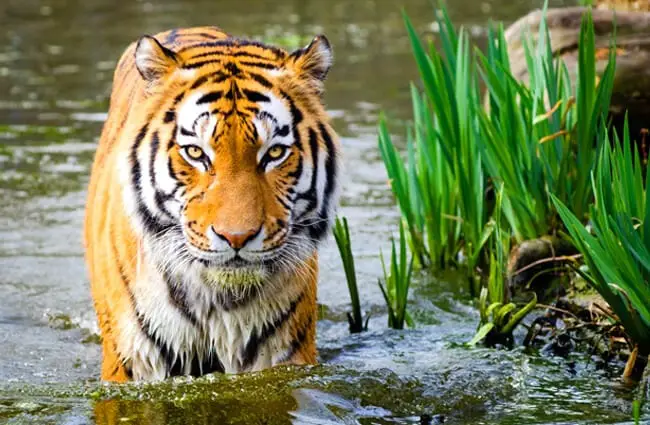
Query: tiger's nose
(236,239)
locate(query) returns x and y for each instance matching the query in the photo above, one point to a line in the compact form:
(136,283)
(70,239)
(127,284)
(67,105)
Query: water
(56,62)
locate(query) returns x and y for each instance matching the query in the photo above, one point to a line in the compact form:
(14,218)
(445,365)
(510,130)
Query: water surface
(56,62)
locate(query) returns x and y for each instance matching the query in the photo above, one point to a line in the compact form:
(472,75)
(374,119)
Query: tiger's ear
(314,61)
(154,60)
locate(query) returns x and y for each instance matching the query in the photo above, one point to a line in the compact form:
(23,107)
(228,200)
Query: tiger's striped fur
(213,183)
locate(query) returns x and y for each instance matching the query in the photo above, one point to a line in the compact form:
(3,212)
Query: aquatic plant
(499,316)
(617,249)
(342,237)
(533,138)
(538,138)
(397,280)
(439,187)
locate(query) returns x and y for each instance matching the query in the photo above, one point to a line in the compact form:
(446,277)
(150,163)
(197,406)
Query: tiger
(214,182)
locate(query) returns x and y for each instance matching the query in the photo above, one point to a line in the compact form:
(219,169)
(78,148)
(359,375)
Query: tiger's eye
(194,152)
(276,151)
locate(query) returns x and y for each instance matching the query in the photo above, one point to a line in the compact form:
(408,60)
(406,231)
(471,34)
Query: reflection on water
(56,64)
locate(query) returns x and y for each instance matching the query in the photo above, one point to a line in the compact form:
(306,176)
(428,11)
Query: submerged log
(632,79)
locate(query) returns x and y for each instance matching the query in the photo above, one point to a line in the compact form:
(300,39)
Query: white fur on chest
(205,329)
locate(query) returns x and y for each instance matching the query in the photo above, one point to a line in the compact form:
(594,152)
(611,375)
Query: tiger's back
(213,183)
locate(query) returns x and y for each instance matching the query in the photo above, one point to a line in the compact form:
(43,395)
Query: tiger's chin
(235,279)
(237,275)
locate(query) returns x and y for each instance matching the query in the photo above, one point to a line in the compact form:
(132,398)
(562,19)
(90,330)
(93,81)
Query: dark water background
(56,62)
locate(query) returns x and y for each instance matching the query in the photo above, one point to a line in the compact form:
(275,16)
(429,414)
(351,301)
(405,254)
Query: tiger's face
(243,164)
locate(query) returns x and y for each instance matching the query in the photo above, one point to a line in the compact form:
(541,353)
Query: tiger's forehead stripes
(225,45)
(239,105)
(232,54)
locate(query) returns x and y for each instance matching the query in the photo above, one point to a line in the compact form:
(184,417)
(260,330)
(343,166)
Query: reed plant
(498,315)
(342,237)
(439,186)
(397,281)
(617,249)
(535,137)
(538,137)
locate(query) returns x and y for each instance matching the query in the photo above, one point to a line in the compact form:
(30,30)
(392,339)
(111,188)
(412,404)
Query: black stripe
(179,187)
(151,225)
(265,115)
(199,82)
(178,98)
(261,80)
(254,96)
(210,97)
(263,65)
(232,68)
(120,268)
(282,131)
(310,195)
(330,162)
(172,173)
(143,323)
(172,361)
(200,64)
(255,134)
(319,229)
(282,202)
(299,341)
(225,113)
(186,132)
(172,140)
(159,197)
(296,114)
(232,92)
(203,34)
(210,365)
(296,118)
(169,116)
(256,56)
(258,338)
(219,77)
(155,144)
(178,298)
(297,173)
(252,109)
(230,42)
(225,42)
(232,54)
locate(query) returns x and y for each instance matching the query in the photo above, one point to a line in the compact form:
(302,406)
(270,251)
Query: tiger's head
(235,167)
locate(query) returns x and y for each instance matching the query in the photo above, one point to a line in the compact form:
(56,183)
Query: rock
(531,265)
(624,5)
(632,79)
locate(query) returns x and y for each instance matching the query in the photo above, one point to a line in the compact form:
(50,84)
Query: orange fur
(231,196)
